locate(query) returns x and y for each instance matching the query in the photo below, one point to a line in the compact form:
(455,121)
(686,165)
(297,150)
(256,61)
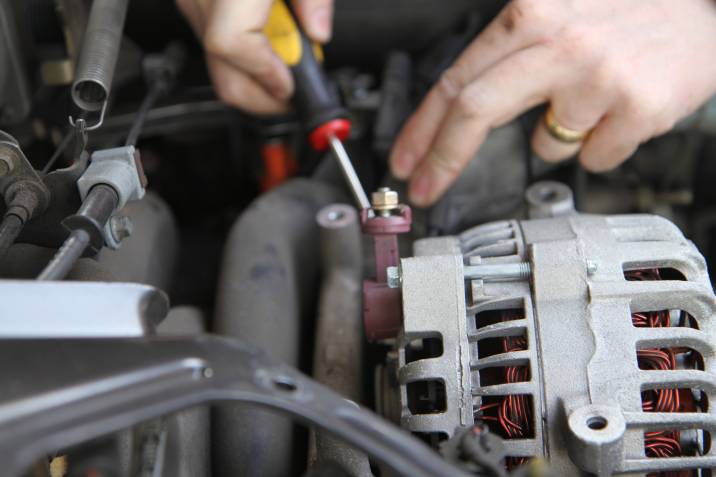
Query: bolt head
(385,199)
(592,267)
(121,227)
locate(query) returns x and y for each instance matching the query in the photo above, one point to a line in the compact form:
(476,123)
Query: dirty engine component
(585,340)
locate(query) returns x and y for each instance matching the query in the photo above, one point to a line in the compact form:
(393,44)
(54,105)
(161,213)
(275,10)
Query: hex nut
(385,199)
(121,227)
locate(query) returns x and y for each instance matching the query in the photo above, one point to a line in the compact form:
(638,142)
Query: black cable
(154,92)
(58,152)
(66,256)
(86,230)
(10,228)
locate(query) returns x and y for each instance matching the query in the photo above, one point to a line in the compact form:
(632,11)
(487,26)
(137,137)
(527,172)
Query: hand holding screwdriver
(317,104)
(245,70)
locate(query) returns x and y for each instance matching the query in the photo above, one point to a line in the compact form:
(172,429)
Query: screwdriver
(317,104)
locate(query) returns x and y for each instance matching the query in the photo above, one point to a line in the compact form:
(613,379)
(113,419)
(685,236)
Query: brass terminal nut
(385,200)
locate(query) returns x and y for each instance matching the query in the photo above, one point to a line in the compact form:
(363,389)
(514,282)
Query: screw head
(384,200)
(592,267)
(121,227)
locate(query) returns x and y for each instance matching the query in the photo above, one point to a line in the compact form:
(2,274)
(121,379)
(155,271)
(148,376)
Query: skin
(244,69)
(624,70)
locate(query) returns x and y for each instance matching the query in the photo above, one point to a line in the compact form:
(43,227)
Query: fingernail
(321,22)
(420,189)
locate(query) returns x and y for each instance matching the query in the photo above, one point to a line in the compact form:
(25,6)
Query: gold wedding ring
(561,133)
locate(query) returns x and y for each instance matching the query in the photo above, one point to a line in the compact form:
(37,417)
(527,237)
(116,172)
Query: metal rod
(488,272)
(10,228)
(349,173)
(517,271)
(66,256)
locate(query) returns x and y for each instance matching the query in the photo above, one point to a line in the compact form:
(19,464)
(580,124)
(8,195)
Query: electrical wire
(664,443)
(155,91)
(512,414)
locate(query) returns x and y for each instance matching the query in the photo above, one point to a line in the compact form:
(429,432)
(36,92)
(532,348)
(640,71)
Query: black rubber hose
(10,228)
(66,256)
(266,292)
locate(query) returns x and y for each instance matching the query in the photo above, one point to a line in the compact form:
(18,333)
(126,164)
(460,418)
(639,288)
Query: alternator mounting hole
(284,383)
(597,423)
(335,215)
(548,195)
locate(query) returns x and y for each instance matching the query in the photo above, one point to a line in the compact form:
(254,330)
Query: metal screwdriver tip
(349,172)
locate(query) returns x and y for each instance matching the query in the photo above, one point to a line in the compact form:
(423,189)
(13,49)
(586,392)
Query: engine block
(600,359)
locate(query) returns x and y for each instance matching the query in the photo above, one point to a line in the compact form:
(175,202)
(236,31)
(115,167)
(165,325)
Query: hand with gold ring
(615,73)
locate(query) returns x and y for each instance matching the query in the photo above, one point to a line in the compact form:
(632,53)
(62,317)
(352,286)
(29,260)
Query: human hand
(625,71)
(245,70)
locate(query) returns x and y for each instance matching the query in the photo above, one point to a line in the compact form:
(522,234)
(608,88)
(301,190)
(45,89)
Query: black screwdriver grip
(314,99)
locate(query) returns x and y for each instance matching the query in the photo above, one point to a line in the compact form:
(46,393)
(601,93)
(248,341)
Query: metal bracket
(61,392)
(72,309)
(121,169)
(18,175)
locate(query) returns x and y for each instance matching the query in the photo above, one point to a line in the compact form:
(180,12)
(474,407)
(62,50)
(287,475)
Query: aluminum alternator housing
(607,348)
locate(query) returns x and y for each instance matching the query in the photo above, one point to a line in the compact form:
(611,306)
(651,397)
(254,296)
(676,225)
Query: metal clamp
(121,169)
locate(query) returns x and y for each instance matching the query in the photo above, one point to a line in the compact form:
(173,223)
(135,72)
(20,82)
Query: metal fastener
(385,200)
(121,227)
(591,267)
(486,272)
(498,271)
(394,278)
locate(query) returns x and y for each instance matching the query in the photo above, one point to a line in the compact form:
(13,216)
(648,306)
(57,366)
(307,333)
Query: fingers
(194,15)
(613,141)
(238,89)
(234,34)
(316,18)
(576,109)
(509,88)
(500,38)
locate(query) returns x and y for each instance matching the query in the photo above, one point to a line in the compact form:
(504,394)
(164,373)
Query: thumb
(316,18)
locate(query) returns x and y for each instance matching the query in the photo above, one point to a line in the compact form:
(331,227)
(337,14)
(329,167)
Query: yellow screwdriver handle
(284,35)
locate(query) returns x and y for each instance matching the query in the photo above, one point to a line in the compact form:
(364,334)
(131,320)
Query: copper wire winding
(512,414)
(658,444)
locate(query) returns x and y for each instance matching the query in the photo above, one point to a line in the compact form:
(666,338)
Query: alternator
(588,341)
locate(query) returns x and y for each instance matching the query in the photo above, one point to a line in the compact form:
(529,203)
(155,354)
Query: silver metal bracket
(121,169)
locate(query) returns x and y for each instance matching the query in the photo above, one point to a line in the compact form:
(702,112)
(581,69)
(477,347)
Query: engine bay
(190,290)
